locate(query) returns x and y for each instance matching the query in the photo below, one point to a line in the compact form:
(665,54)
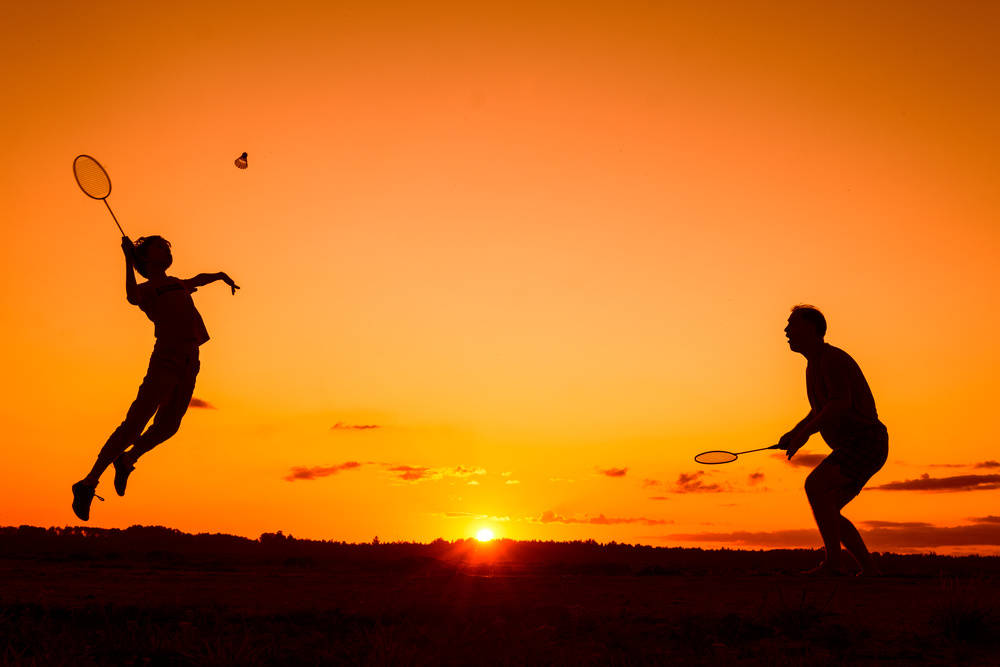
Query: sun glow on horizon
(485,535)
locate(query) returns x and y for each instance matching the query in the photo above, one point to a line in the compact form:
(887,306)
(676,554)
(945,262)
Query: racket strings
(715,457)
(91,177)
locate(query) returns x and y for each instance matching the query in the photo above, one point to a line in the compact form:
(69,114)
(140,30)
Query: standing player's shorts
(861,455)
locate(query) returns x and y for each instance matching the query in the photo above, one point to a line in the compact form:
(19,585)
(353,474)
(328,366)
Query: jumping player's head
(152,256)
(805,329)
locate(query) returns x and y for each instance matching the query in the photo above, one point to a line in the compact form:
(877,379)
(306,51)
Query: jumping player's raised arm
(205,278)
(131,288)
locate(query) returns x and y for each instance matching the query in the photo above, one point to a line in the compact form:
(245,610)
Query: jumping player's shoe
(123,468)
(83,495)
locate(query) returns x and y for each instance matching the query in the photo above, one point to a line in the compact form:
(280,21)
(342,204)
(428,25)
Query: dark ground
(149,596)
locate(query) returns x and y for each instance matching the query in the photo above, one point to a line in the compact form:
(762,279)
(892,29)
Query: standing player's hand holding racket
(792,442)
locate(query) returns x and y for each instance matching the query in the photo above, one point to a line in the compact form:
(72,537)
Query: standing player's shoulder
(837,357)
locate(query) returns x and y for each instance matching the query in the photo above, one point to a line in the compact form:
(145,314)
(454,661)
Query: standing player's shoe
(123,468)
(83,495)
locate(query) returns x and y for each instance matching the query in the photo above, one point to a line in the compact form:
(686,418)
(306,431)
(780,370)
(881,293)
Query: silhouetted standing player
(173,367)
(843,412)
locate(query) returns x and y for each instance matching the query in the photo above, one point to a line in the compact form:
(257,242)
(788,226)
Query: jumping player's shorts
(861,455)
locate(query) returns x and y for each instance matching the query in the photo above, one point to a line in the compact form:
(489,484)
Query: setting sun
(484,535)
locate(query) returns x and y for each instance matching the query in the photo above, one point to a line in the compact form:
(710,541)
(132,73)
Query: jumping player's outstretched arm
(206,278)
(131,289)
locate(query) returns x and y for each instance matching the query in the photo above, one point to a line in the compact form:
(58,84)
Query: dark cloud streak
(881,535)
(341,426)
(802,460)
(944,484)
(692,483)
(599,520)
(315,472)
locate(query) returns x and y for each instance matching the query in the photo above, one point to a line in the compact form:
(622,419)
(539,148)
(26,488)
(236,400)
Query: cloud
(986,519)
(802,460)
(599,520)
(472,515)
(417,473)
(773,538)
(200,403)
(613,472)
(692,483)
(410,473)
(896,524)
(659,497)
(944,484)
(463,471)
(512,481)
(315,472)
(980,465)
(881,535)
(341,426)
(755,478)
(927,536)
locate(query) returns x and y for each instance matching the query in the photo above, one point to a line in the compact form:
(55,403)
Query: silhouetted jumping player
(169,383)
(843,412)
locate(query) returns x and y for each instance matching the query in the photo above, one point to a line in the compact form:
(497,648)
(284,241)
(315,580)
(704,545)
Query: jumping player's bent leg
(151,392)
(155,386)
(165,424)
(168,417)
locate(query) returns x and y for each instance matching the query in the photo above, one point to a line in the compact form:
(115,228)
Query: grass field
(286,602)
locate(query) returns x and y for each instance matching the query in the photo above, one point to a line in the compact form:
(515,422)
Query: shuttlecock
(241,161)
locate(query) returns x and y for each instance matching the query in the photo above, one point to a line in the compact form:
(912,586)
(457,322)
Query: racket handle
(759,449)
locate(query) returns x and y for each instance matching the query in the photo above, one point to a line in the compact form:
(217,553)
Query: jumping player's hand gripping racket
(715,457)
(94,181)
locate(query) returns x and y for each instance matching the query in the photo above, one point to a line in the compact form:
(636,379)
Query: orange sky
(528,242)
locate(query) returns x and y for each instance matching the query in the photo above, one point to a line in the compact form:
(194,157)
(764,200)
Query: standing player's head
(152,256)
(806,328)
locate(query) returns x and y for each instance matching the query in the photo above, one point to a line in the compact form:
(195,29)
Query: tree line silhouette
(169,547)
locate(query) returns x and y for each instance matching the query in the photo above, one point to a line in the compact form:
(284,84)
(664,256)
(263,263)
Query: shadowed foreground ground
(266,602)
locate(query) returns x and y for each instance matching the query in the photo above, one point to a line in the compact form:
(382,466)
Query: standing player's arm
(794,439)
(205,278)
(835,377)
(805,420)
(838,387)
(131,289)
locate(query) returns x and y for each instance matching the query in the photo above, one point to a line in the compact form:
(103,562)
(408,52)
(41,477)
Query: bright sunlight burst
(484,535)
